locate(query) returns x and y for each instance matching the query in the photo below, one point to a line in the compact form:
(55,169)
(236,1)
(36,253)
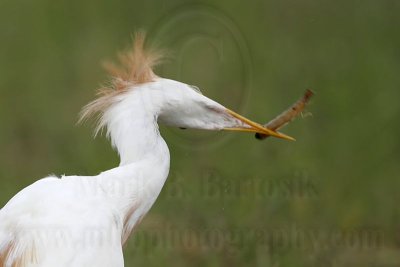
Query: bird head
(171,102)
(184,106)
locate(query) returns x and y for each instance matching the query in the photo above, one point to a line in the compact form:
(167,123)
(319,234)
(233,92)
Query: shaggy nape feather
(135,67)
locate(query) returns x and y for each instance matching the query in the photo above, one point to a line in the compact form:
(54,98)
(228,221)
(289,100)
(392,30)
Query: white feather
(83,221)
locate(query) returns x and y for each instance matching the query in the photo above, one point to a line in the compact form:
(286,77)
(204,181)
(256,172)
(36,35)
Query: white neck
(134,132)
(144,162)
(137,138)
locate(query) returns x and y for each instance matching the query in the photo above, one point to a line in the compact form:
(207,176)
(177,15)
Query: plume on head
(135,67)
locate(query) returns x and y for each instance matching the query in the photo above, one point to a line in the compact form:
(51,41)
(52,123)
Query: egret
(83,221)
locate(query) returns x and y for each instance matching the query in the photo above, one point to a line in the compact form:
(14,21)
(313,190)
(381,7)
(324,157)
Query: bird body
(55,219)
(83,221)
(89,214)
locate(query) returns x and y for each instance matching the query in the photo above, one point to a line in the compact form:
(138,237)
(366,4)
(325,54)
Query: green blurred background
(329,199)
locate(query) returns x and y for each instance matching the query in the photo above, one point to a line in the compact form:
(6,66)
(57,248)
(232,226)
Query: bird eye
(182,128)
(213,108)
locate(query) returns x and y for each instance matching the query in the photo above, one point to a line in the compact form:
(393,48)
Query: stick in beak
(288,115)
(255,127)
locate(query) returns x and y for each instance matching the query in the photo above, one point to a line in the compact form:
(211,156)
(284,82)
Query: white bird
(83,221)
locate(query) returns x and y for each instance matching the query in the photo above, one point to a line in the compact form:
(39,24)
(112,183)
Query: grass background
(329,199)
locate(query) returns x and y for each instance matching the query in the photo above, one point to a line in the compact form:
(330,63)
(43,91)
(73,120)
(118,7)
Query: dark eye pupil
(182,128)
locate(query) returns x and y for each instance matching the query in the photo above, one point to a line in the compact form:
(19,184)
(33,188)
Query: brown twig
(288,115)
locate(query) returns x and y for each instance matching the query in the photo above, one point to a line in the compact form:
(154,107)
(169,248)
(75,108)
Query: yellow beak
(255,127)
